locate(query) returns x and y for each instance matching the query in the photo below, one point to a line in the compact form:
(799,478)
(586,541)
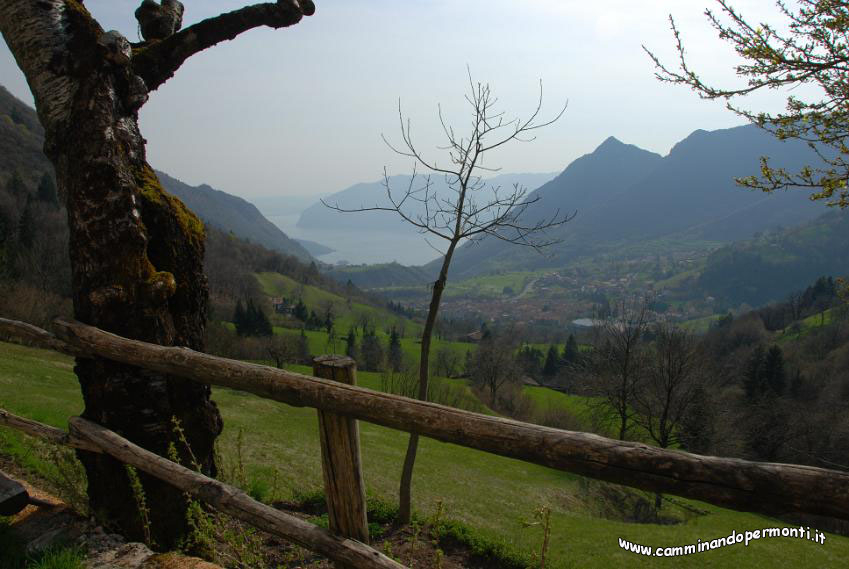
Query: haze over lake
(409,248)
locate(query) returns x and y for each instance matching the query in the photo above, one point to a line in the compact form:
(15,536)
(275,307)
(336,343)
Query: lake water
(361,246)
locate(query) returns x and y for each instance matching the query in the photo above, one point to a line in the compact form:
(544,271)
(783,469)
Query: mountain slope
(369,194)
(766,268)
(625,195)
(588,184)
(21,139)
(232,213)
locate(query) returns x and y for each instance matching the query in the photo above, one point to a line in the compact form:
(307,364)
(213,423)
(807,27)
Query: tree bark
(136,252)
(405,509)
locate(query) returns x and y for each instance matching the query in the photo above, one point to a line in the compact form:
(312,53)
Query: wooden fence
(768,488)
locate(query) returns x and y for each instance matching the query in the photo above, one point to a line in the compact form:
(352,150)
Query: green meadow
(280,453)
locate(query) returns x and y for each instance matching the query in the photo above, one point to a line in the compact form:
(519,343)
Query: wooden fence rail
(739,484)
(92,437)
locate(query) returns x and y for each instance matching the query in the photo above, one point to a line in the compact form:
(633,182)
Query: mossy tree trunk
(136,252)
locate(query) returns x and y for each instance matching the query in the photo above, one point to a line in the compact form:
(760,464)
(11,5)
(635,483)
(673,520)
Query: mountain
(589,184)
(21,141)
(624,195)
(374,194)
(231,213)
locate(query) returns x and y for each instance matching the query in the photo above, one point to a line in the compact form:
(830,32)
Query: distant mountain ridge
(623,194)
(232,213)
(369,194)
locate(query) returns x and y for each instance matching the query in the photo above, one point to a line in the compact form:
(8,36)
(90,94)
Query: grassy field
(347,316)
(700,325)
(280,450)
(492,285)
(806,326)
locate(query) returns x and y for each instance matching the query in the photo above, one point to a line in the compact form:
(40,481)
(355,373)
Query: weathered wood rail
(738,484)
(92,437)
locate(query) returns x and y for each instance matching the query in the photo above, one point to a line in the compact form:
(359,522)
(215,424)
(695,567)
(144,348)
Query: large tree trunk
(136,254)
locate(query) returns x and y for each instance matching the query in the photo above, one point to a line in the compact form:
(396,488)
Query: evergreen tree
(552,362)
(239,318)
(262,326)
(775,376)
(351,343)
(571,353)
(314,322)
(371,351)
(47,190)
(250,318)
(530,360)
(300,311)
(753,375)
(395,353)
(257,322)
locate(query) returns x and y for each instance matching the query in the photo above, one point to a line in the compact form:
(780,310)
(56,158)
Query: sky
(300,111)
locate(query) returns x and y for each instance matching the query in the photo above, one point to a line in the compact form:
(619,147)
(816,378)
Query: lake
(357,247)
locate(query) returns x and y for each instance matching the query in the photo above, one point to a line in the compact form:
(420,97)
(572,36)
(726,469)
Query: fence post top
(334,360)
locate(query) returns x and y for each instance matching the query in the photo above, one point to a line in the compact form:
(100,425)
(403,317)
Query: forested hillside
(766,268)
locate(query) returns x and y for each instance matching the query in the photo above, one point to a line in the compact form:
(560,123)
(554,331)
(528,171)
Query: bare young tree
(618,364)
(669,389)
(282,348)
(136,251)
(471,211)
(494,365)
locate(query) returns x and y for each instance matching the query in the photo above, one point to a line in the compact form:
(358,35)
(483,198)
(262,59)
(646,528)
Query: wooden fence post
(340,457)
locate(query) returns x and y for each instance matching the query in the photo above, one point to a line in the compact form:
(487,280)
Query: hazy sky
(301,110)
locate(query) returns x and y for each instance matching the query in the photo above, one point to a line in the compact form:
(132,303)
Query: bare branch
(157,61)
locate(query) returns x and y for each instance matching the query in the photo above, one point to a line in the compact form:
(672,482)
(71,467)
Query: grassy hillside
(349,315)
(346,313)
(280,450)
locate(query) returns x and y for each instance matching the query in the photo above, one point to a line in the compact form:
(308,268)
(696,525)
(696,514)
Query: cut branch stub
(158,21)
(340,457)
